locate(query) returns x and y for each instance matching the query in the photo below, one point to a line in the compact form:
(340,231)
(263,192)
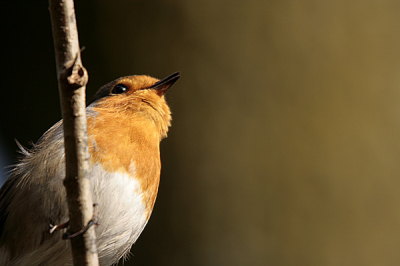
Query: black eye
(119,88)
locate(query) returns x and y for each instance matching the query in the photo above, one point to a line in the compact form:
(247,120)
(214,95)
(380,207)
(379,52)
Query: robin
(126,120)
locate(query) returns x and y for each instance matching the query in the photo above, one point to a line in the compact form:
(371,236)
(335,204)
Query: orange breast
(122,143)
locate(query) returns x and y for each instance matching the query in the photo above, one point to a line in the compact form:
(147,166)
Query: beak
(163,85)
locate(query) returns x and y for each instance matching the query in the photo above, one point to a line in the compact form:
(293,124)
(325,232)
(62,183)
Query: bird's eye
(119,88)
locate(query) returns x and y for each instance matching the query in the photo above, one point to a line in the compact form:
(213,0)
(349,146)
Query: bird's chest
(124,173)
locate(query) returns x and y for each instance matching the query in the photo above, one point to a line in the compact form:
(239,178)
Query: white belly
(122,214)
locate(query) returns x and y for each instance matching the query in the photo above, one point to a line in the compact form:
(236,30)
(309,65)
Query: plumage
(125,125)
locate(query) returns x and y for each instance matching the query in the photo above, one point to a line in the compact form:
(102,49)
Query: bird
(126,120)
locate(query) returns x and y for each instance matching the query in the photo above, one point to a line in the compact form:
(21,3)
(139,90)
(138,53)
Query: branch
(72,80)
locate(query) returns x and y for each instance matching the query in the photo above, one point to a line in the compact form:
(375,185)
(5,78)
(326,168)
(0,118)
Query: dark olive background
(284,148)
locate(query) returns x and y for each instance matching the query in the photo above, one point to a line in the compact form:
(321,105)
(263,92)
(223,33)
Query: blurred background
(284,148)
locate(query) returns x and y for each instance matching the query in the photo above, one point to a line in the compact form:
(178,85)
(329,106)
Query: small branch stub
(74,75)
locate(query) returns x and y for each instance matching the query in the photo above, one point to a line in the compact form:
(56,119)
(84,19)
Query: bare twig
(72,80)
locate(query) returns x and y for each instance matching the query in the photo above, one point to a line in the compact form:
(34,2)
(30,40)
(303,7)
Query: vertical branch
(72,80)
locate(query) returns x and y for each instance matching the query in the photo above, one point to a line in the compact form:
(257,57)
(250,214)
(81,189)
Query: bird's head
(137,97)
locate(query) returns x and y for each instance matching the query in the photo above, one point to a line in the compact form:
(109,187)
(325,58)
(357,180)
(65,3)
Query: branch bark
(72,80)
